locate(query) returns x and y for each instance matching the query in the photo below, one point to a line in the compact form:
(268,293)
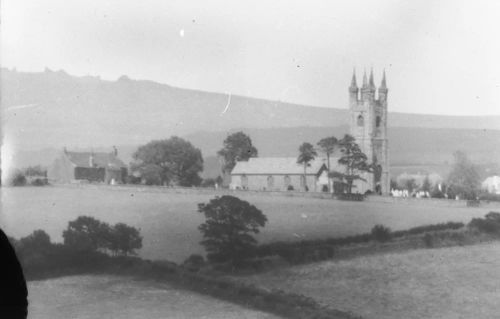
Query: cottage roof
(106,160)
(278,166)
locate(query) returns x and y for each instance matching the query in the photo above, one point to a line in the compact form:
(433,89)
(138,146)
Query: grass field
(169,221)
(82,297)
(458,282)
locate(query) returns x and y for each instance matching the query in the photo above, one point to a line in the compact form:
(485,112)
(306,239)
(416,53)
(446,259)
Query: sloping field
(82,297)
(169,220)
(458,282)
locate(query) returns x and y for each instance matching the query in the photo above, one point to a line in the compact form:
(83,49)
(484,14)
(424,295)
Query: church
(368,125)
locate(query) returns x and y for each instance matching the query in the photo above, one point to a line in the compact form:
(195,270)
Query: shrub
(381,233)
(427,228)
(131,179)
(351,197)
(428,240)
(35,171)
(489,224)
(194,262)
(39,181)
(18,179)
(208,183)
(227,228)
(490,197)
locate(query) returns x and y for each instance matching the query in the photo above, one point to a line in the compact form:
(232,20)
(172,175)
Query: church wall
(260,182)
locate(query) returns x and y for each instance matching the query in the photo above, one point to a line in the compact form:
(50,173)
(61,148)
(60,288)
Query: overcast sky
(441,57)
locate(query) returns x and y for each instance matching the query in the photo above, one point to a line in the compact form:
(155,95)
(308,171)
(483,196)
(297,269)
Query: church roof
(106,160)
(279,166)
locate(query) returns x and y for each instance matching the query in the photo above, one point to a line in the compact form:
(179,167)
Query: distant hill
(42,112)
(53,109)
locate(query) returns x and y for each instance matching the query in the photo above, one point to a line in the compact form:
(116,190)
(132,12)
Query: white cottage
(279,174)
(492,185)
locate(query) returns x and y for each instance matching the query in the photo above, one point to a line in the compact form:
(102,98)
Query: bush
(428,228)
(131,179)
(194,262)
(351,197)
(18,179)
(489,224)
(428,240)
(381,233)
(39,181)
(208,183)
(490,197)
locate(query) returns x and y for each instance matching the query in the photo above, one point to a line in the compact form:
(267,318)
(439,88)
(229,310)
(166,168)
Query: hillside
(53,109)
(42,112)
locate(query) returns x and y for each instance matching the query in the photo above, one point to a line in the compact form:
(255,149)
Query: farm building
(279,174)
(88,166)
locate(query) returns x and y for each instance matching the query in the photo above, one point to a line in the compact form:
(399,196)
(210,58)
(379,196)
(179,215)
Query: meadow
(456,282)
(169,219)
(103,296)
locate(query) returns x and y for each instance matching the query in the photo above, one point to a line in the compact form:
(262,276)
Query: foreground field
(169,220)
(458,282)
(80,297)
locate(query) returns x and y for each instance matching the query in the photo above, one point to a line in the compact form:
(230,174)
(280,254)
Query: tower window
(361,120)
(377,121)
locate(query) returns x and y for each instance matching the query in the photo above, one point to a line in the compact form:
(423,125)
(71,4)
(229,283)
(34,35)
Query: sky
(440,57)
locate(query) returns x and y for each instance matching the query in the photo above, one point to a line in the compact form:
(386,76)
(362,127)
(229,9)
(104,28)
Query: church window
(361,120)
(244,181)
(377,121)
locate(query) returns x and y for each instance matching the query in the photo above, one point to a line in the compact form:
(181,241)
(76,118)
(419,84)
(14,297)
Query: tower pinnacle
(365,81)
(354,84)
(383,84)
(372,85)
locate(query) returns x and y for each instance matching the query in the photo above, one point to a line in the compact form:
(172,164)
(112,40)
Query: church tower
(368,125)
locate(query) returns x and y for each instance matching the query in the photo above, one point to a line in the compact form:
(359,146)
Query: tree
(410,184)
(150,174)
(328,145)
(354,160)
(229,223)
(87,234)
(38,242)
(306,155)
(179,162)
(426,184)
(125,239)
(464,179)
(237,147)
(35,171)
